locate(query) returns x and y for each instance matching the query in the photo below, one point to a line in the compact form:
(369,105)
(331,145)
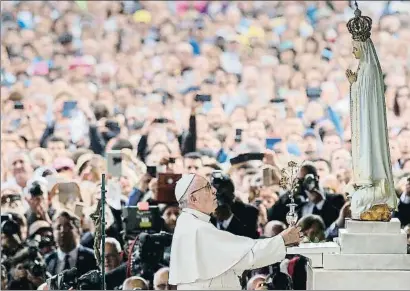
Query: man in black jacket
(69,253)
(403,212)
(310,199)
(232,214)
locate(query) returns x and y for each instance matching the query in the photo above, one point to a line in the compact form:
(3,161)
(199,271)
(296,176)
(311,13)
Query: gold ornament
(359,26)
(379,212)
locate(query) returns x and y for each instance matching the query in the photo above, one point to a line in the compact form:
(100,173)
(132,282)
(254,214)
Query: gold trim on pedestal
(380,212)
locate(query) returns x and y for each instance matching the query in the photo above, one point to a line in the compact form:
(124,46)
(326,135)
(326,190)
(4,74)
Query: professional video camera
(147,256)
(30,252)
(69,279)
(141,218)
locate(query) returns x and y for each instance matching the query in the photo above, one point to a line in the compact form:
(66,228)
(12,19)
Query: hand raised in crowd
(270,158)
(147,126)
(292,235)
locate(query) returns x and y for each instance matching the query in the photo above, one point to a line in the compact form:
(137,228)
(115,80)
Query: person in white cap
(206,258)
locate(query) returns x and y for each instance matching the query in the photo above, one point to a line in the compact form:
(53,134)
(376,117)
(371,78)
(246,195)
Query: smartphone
(18,105)
(152,171)
(270,142)
(267,177)
(161,120)
(114,163)
(313,93)
(166,187)
(238,135)
(203,98)
(68,108)
(78,209)
(277,100)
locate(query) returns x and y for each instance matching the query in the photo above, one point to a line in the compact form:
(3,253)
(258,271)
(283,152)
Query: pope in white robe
(206,258)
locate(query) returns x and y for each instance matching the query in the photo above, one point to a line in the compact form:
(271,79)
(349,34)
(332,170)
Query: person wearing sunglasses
(206,258)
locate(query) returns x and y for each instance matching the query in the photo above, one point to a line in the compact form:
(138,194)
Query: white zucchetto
(183,185)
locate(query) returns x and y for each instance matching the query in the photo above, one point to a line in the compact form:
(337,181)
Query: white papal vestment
(206,258)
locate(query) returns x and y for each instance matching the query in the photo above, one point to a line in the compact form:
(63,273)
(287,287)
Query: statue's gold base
(380,212)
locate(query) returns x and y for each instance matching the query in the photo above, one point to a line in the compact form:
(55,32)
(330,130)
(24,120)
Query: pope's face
(205,197)
(209,201)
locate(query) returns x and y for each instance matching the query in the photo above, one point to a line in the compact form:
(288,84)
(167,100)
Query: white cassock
(206,258)
(372,168)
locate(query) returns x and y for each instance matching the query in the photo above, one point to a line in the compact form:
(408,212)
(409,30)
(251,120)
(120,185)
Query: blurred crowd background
(182,87)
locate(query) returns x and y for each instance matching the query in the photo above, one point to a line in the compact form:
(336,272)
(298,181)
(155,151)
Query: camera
(9,226)
(35,189)
(309,183)
(43,241)
(137,219)
(64,280)
(69,279)
(152,246)
(148,254)
(36,268)
(225,189)
(29,252)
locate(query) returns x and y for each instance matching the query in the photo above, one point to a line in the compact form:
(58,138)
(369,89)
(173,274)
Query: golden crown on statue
(359,26)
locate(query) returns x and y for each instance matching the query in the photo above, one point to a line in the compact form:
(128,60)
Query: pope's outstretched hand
(292,235)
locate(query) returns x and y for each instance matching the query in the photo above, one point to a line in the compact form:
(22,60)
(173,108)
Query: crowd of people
(230,90)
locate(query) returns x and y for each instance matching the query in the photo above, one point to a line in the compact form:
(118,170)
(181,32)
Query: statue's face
(357,51)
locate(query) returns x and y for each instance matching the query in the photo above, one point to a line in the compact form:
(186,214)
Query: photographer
(232,214)
(37,201)
(11,234)
(24,260)
(42,232)
(11,200)
(310,199)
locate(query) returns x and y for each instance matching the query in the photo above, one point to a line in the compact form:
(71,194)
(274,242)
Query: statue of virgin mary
(372,193)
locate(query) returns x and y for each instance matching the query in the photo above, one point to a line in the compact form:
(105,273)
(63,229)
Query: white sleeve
(265,252)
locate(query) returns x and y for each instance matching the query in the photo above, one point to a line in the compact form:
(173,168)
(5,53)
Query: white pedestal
(323,279)
(315,251)
(372,243)
(369,256)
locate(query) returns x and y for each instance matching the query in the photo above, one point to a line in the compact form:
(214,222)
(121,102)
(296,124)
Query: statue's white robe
(206,258)
(370,148)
